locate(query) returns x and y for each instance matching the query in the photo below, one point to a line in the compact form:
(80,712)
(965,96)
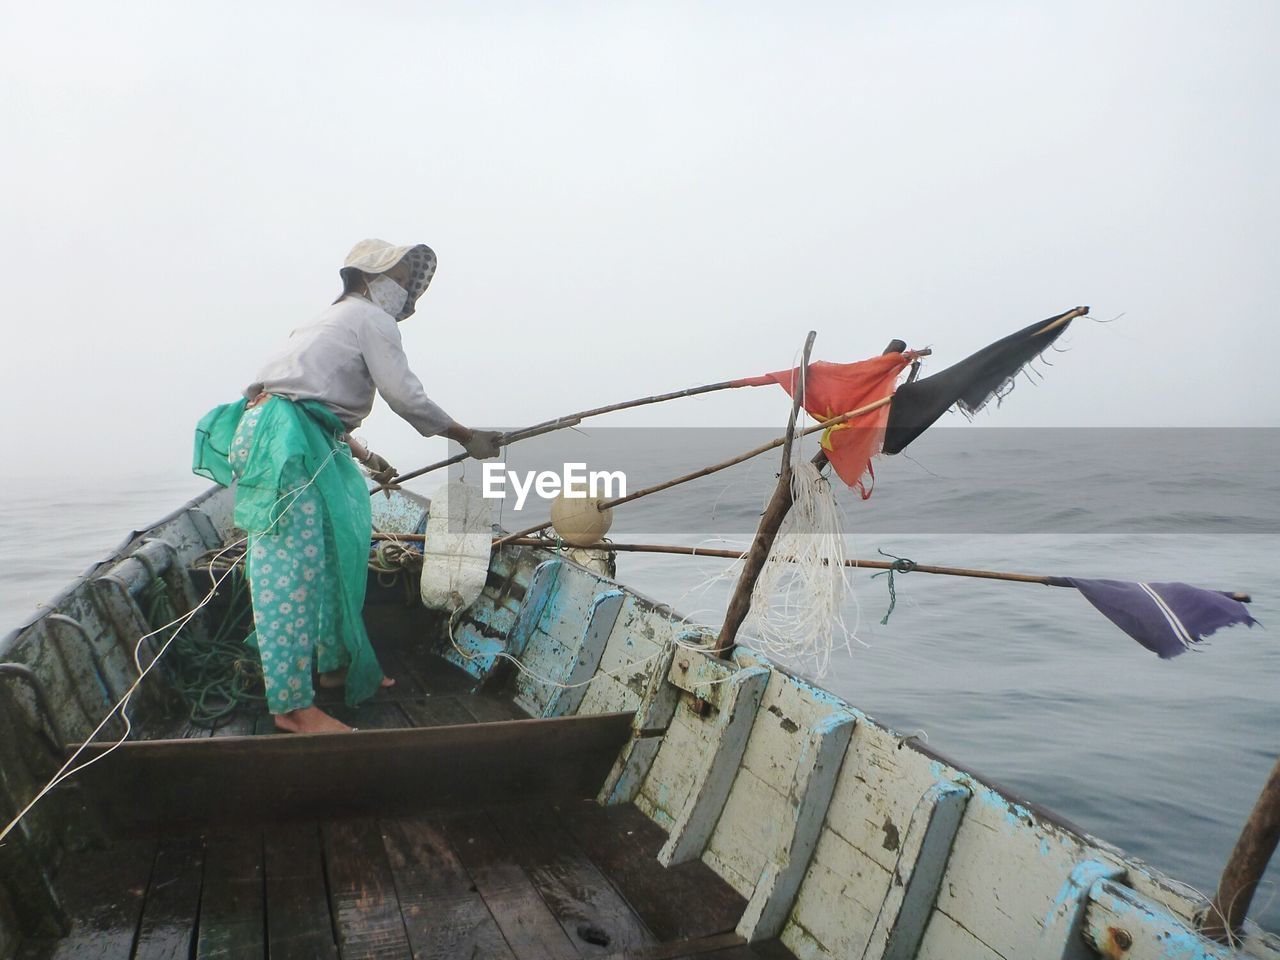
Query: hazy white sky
(628,198)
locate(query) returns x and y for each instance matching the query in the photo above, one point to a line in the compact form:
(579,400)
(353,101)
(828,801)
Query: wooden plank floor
(511,883)
(429,692)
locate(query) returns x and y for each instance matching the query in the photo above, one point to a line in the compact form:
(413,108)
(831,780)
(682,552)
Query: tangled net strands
(213,675)
(797,614)
(171,632)
(217,675)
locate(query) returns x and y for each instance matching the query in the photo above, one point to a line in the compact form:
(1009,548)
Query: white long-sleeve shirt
(340,358)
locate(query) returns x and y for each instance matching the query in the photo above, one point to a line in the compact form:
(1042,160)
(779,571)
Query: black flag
(971,383)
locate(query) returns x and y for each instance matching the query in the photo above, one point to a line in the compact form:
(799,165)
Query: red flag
(832,389)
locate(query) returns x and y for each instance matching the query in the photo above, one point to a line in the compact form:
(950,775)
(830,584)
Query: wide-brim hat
(378,256)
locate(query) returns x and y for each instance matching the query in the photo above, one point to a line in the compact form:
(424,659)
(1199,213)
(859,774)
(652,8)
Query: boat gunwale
(12,641)
(1042,812)
(9,642)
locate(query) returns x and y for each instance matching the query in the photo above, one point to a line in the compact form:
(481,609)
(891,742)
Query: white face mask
(387,294)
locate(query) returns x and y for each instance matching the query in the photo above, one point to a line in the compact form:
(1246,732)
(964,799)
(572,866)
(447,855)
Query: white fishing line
(536,677)
(627,668)
(122,705)
(797,603)
(797,613)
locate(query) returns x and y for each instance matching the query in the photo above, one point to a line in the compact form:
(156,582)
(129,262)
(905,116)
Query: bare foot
(309,720)
(338,678)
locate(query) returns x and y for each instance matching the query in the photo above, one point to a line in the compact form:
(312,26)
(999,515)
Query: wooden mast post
(770,522)
(1248,863)
(714,468)
(774,514)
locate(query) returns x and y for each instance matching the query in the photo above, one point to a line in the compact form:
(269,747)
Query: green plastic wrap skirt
(292,466)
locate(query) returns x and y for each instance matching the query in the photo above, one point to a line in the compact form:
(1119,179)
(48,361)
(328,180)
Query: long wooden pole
(1065,318)
(683,551)
(643,402)
(738,555)
(1249,859)
(572,420)
(512,437)
(770,522)
(715,467)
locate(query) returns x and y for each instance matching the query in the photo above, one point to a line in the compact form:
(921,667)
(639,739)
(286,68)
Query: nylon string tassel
(797,604)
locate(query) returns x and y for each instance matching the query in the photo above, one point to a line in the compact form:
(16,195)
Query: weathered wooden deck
(502,882)
(501,874)
(429,692)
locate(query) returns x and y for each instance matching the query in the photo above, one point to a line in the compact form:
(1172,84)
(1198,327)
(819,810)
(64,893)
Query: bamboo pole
(572,420)
(512,437)
(819,459)
(738,555)
(1065,318)
(715,467)
(643,402)
(1249,859)
(770,522)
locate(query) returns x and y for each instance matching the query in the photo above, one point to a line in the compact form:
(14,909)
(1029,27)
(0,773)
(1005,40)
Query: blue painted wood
(542,588)
(477,638)
(1062,935)
(917,875)
(475,650)
(811,789)
(601,618)
(739,700)
(657,707)
(551,649)
(1120,922)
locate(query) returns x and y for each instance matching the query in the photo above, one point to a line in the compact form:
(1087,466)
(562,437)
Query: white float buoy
(578,520)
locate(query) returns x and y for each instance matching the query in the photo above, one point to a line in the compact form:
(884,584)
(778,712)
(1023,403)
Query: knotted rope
(899,565)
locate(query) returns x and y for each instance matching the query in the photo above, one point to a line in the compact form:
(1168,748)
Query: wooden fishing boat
(601,791)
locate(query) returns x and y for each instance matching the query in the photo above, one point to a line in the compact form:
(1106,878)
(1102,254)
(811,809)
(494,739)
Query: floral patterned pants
(292,582)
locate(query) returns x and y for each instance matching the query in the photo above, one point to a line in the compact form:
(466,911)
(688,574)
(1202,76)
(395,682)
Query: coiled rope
(70,766)
(215,675)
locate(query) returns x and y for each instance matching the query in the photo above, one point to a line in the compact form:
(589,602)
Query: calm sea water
(1026,684)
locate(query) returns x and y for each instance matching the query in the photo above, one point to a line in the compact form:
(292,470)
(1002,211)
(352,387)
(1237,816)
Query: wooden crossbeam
(246,780)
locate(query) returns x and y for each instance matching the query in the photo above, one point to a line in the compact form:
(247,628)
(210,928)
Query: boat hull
(835,836)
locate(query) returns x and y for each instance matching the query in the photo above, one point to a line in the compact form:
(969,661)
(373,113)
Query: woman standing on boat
(301,499)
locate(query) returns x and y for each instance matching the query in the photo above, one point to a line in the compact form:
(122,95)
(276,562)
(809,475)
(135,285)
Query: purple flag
(1166,618)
